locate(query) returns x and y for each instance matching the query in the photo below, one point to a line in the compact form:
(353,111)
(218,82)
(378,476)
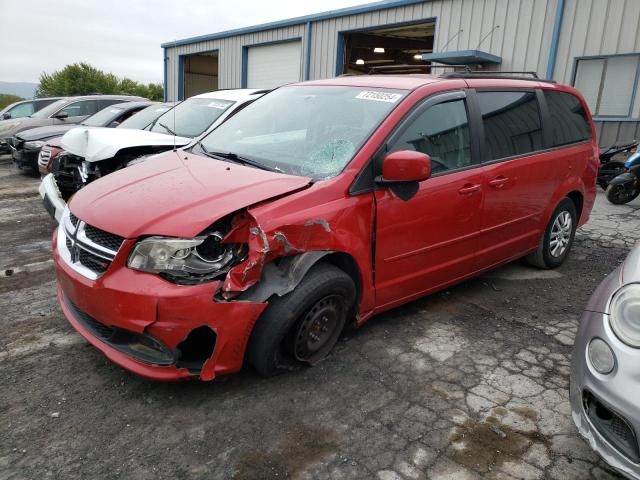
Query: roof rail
(509,75)
(411,68)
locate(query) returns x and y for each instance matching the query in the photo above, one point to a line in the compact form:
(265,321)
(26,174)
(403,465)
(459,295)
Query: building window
(607,84)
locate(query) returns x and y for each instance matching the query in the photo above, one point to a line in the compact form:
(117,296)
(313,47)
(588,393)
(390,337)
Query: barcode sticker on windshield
(379,96)
(219,105)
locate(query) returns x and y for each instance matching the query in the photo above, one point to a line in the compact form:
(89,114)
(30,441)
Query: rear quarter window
(569,122)
(512,124)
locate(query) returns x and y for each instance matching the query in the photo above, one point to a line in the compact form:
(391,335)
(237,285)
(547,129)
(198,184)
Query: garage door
(270,66)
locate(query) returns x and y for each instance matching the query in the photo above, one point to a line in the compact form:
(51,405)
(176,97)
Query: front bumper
(145,305)
(613,427)
(25,157)
(51,198)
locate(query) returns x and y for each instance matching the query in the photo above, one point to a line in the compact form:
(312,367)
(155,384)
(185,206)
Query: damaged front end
(173,308)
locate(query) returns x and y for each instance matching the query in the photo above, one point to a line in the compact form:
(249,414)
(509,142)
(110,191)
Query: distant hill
(22,89)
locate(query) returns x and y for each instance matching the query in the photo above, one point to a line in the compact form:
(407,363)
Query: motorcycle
(609,168)
(626,186)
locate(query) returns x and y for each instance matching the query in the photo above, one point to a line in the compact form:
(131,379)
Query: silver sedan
(605,376)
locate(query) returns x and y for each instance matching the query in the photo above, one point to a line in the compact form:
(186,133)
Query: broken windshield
(305,130)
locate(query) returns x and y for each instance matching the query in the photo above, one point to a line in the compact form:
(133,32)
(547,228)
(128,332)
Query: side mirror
(6,116)
(114,124)
(405,166)
(61,115)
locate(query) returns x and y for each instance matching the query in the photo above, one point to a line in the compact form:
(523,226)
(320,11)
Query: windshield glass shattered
(304,130)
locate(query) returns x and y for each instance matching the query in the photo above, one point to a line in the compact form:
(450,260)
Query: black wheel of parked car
(558,237)
(303,326)
(619,195)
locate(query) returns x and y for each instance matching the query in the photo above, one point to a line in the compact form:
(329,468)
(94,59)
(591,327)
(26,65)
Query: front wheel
(619,195)
(558,237)
(303,326)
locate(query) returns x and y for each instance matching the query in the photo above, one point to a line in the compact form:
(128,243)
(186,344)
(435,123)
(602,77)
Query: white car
(91,153)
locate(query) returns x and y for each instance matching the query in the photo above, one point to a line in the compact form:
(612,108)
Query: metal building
(592,44)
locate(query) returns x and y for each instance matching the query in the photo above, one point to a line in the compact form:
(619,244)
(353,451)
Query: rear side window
(512,123)
(569,123)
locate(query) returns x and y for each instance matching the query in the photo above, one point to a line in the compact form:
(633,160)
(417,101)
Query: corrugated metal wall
(522,38)
(229,55)
(600,27)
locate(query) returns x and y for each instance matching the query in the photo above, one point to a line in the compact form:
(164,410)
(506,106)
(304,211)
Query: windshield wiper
(166,128)
(234,157)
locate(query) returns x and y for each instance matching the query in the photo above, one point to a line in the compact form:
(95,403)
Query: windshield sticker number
(379,96)
(218,105)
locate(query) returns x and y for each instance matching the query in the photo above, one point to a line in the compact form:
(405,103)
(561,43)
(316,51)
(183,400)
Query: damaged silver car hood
(96,144)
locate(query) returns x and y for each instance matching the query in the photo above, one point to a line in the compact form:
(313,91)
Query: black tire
(276,340)
(618,195)
(613,169)
(551,256)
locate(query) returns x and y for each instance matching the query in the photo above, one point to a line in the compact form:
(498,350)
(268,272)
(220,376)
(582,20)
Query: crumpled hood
(43,133)
(176,194)
(95,144)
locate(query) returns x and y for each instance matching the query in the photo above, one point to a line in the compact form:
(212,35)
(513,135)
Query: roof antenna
(444,48)
(173,130)
(487,35)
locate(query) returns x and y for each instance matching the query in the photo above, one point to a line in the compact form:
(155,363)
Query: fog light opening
(196,349)
(601,356)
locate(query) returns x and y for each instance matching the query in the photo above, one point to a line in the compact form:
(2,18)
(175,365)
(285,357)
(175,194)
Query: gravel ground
(471,382)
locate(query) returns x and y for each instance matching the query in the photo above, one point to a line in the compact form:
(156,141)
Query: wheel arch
(282,275)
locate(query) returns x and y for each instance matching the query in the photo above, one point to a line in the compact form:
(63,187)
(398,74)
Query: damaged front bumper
(51,198)
(161,331)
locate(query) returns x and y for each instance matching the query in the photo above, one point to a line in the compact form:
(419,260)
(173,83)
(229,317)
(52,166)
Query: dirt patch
(485,446)
(297,450)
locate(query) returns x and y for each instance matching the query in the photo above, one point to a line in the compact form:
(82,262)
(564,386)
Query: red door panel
(429,240)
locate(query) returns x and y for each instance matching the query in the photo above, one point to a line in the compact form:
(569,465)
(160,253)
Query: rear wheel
(558,237)
(303,326)
(618,194)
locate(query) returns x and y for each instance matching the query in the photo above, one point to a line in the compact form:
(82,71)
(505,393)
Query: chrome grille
(44,156)
(85,248)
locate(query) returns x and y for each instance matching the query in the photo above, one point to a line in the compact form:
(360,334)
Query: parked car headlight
(625,314)
(186,260)
(601,356)
(33,145)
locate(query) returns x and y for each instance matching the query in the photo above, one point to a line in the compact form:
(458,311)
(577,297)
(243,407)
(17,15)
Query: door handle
(469,189)
(498,182)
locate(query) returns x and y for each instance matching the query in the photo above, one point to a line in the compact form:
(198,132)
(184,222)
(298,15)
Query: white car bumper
(53,202)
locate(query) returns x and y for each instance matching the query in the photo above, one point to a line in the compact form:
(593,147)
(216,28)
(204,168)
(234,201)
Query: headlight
(625,314)
(601,356)
(33,145)
(186,260)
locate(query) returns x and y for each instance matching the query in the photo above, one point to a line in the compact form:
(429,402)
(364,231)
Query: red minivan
(318,206)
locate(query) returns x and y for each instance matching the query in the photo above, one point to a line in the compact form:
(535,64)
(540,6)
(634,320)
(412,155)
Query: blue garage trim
(245,56)
(165,63)
(341,33)
(462,57)
(555,39)
(307,51)
(180,93)
(342,12)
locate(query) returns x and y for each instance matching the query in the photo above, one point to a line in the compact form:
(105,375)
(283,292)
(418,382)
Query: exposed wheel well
(347,264)
(577,199)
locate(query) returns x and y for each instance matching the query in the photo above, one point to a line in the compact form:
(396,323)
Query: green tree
(83,79)
(7,99)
